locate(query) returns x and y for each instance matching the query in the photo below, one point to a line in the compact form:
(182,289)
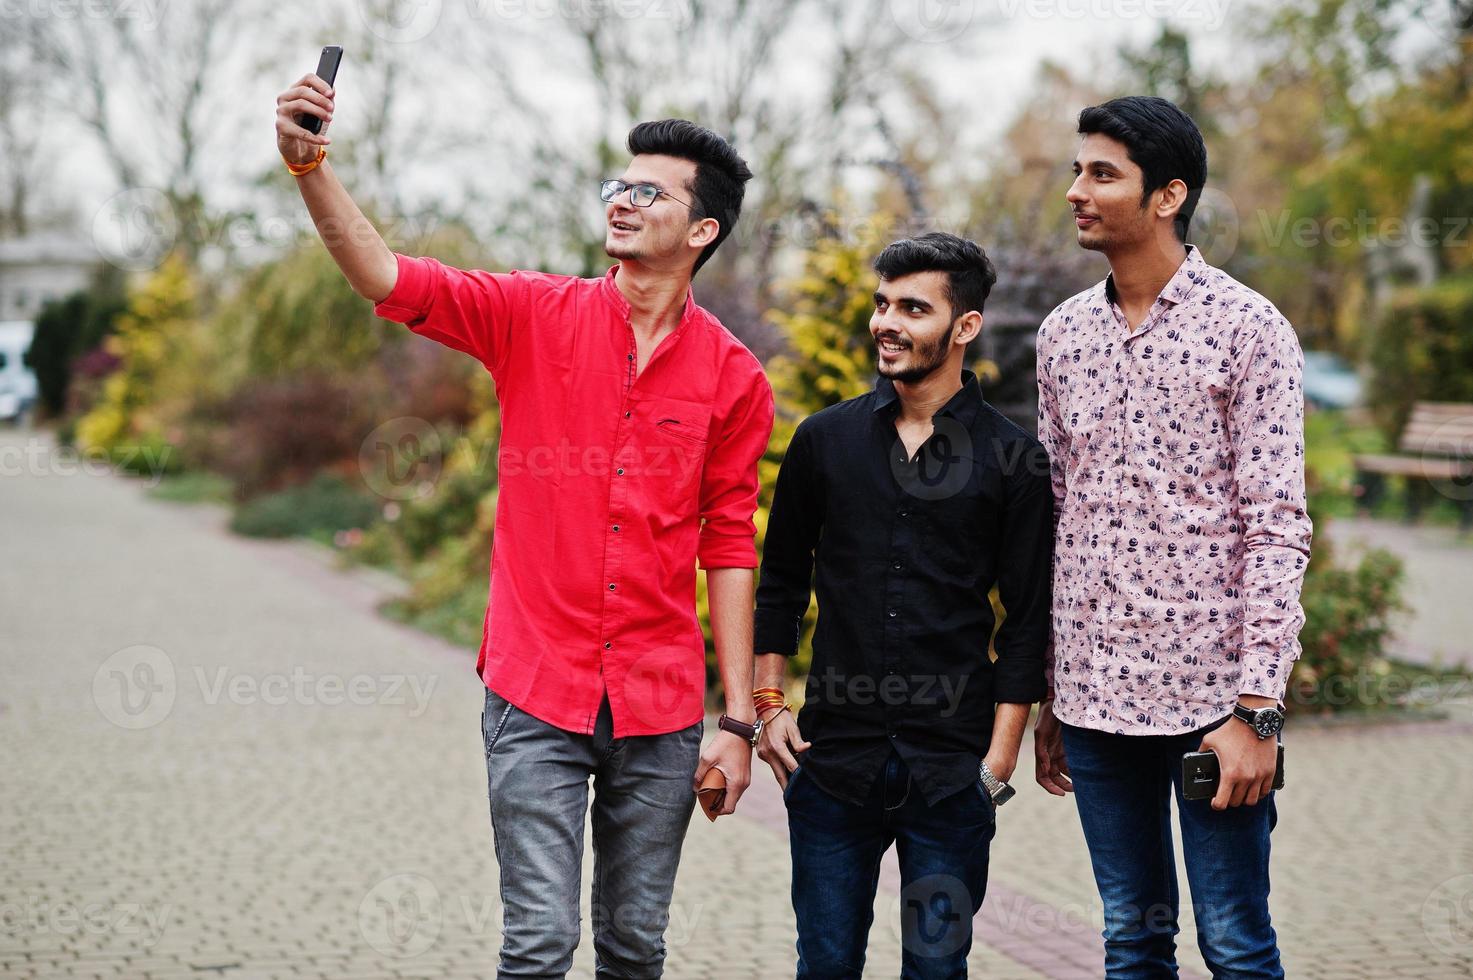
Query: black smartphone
(327,70)
(1200,774)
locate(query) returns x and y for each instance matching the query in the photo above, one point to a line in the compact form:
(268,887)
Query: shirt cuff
(1266,672)
(1018,682)
(726,550)
(410,298)
(774,632)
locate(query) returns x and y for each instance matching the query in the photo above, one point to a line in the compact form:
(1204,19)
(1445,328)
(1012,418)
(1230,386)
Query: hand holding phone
(310,100)
(1201,772)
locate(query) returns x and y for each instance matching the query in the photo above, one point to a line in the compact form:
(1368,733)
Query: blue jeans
(1123,786)
(537,777)
(837,847)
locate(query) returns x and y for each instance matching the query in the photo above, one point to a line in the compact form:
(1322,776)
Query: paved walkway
(220,763)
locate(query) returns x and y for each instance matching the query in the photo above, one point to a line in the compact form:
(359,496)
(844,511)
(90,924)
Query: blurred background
(229,494)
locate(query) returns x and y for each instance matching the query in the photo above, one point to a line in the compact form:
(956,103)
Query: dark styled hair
(721,174)
(970,276)
(1161,140)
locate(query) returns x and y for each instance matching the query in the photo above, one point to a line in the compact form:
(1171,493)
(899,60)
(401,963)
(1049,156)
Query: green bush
(328,503)
(1421,349)
(1347,610)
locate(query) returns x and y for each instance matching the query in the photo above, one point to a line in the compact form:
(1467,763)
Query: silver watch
(1000,791)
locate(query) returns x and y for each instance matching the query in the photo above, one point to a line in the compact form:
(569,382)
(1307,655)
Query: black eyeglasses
(641,195)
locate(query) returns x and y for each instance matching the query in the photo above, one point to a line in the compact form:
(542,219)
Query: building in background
(33,271)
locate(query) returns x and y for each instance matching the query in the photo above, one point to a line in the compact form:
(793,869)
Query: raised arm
(356,246)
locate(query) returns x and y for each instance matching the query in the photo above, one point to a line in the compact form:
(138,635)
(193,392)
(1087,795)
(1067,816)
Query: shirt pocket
(1177,419)
(673,435)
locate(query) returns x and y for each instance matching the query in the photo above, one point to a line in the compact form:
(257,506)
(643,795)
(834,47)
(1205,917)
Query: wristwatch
(748,733)
(1265,722)
(1000,791)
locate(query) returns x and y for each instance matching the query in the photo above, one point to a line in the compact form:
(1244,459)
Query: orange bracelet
(298,169)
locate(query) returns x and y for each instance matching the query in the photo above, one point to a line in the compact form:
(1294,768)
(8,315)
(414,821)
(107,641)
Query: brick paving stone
(265,821)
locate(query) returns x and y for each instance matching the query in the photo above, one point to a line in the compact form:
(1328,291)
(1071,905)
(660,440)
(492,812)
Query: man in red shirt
(632,422)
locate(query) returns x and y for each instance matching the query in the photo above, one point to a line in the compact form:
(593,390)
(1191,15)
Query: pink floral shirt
(1177,456)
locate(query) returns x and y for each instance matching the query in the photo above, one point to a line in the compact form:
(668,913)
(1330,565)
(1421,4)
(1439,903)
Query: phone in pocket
(1200,774)
(327,70)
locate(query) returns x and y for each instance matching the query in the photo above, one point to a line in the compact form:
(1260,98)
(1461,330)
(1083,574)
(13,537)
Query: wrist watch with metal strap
(1000,791)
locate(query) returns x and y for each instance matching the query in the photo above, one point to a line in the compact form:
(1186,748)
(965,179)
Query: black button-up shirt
(906,550)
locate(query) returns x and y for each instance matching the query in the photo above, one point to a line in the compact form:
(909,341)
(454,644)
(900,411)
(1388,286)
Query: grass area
(457,620)
(192,488)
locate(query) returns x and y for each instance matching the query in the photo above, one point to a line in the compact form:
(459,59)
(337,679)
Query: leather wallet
(712,793)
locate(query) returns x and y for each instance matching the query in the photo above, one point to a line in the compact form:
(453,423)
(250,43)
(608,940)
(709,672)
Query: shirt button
(611,586)
(630,356)
(626,415)
(893,735)
(620,471)
(607,645)
(616,527)
(893,613)
(904,513)
(896,566)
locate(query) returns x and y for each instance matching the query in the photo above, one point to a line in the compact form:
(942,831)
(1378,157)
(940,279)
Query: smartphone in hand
(327,70)
(1200,774)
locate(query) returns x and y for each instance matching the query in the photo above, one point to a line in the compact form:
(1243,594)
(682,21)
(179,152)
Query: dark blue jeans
(837,847)
(1123,786)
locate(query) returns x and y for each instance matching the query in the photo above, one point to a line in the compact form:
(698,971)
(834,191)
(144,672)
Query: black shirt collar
(962,406)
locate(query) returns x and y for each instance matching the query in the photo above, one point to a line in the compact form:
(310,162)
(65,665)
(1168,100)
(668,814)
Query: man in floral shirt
(1171,409)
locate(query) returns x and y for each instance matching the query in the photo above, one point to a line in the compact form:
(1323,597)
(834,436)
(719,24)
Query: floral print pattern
(1177,460)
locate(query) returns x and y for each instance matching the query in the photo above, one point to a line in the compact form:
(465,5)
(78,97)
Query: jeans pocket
(496,712)
(792,781)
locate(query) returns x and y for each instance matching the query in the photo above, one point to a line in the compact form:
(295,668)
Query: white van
(17,382)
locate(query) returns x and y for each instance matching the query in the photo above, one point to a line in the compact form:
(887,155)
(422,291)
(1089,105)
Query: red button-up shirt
(612,486)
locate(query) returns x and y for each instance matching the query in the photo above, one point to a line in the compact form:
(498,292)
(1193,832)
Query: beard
(622,250)
(924,360)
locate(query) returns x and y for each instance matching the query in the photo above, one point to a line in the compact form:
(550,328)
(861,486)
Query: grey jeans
(537,776)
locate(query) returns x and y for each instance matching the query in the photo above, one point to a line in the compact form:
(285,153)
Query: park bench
(1436,451)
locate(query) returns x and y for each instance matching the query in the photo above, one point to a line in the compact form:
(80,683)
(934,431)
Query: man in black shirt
(911,502)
